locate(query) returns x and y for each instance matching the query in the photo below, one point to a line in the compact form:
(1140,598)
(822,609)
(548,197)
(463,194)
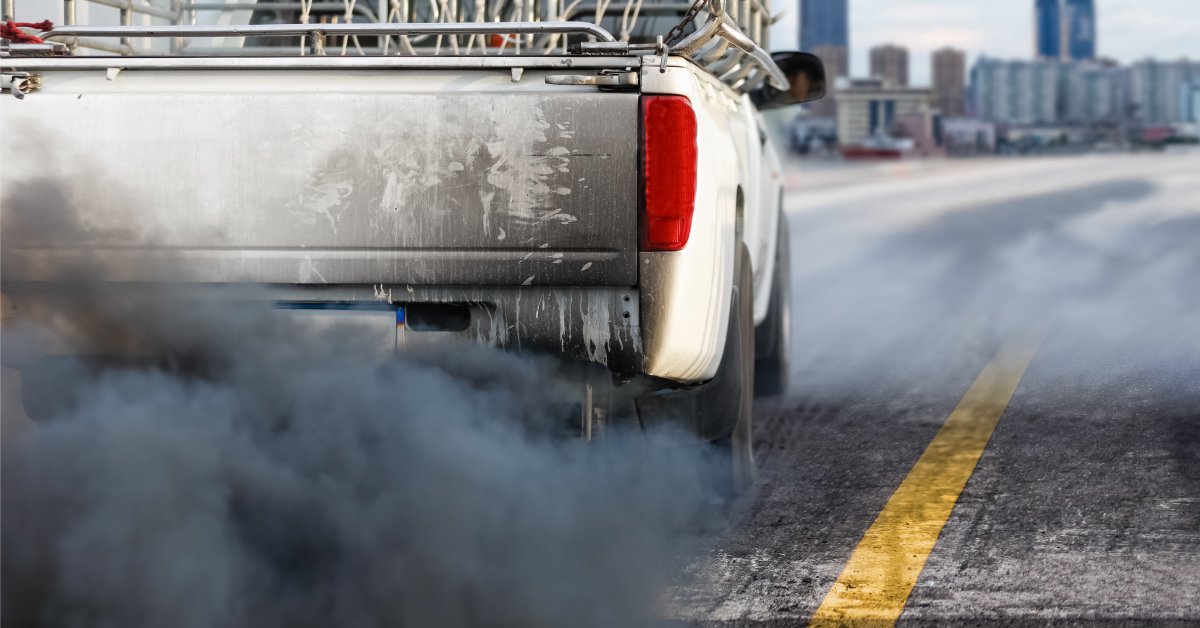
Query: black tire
(737,450)
(772,339)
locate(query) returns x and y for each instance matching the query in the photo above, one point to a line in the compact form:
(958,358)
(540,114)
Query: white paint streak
(564,302)
(309,273)
(597,327)
(522,167)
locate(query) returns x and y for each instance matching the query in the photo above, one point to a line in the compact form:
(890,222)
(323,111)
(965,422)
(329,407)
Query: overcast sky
(1128,29)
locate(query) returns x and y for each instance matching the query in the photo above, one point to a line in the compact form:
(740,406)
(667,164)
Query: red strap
(11,31)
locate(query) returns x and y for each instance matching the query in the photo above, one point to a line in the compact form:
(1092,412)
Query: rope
(349,17)
(601,9)
(11,31)
(627,24)
(449,16)
(399,13)
(553,39)
(305,9)
(480,16)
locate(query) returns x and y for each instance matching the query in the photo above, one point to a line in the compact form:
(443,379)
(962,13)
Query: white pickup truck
(537,185)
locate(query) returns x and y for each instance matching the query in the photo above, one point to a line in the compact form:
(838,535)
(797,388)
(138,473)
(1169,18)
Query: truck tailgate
(321,177)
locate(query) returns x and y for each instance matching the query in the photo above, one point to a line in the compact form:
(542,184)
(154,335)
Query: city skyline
(1130,30)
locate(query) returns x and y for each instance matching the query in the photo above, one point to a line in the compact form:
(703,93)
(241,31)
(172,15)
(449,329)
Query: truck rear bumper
(590,324)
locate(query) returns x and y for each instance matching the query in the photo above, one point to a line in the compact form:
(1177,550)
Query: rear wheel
(737,450)
(773,337)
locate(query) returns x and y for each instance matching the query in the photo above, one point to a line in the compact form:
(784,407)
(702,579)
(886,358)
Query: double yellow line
(875,584)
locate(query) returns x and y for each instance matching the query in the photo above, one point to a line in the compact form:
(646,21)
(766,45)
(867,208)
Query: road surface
(1065,295)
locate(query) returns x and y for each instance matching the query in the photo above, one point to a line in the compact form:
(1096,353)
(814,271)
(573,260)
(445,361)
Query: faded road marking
(876,582)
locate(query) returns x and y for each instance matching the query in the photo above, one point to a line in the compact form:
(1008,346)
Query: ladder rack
(728,42)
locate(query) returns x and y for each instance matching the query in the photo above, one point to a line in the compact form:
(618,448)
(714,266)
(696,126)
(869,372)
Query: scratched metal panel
(373,187)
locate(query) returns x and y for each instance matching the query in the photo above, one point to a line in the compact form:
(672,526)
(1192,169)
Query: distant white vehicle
(529,181)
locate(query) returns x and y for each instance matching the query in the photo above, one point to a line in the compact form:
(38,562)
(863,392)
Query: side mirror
(806,79)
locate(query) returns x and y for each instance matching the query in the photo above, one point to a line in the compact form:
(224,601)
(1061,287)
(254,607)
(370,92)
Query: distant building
(950,81)
(837,64)
(1189,101)
(1065,29)
(1091,93)
(868,109)
(1016,92)
(1079,30)
(890,64)
(968,136)
(1047,92)
(923,129)
(1048,29)
(1157,90)
(836,59)
(824,23)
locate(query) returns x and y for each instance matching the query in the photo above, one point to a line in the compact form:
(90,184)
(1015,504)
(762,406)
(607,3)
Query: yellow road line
(876,582)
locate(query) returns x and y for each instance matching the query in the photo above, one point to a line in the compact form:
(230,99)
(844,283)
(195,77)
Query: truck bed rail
(317,34)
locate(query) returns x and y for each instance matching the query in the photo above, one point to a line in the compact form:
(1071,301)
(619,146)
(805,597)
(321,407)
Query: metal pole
(176,42)
(357,29)
(127,20)
(9,11)
(69,12)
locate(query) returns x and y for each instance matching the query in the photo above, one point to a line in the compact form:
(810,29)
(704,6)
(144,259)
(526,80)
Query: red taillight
(668,171)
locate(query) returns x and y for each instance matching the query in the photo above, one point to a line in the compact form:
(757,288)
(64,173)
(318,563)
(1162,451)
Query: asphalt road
(1084,507)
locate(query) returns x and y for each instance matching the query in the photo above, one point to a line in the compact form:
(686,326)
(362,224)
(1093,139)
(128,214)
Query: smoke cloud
(249,485)
(234,467)
(911,274)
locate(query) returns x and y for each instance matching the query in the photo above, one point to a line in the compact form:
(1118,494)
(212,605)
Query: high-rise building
(950,81)
(824,23)
(1065,93)
(837,63)
(1156,90)
(835,58)
(1048,29)
(1065,29)
(825,32)
(1016,92)
(890,63)
(1079,30)
(1091,93)
(1190,101)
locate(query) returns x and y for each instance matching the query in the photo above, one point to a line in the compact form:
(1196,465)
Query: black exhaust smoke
(233,468)
(279,480)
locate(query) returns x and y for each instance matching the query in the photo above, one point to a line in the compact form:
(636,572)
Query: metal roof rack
(726,37)
(318,34)
(723,49)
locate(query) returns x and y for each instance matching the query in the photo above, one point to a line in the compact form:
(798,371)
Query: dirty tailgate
(361,178)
